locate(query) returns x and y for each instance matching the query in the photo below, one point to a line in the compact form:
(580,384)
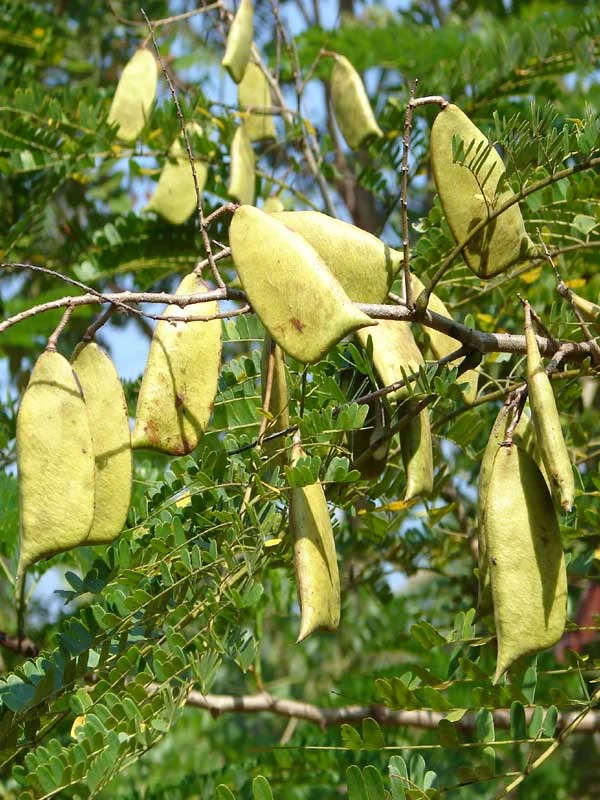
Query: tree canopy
(164,664)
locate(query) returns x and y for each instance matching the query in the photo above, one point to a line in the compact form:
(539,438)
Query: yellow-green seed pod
(469,193)
(526,561)
(298,300)
(546,421)
(109,426)
(361,262)
(239,41)
(279,400)
(175,196)
(273,204)
(254,92)
(315,560)
(351,106)
(180,380)
(55,460)
(395,353)
(523,436)
(134,95)
(588,309)
(241,176)
(443,345)
(417,454)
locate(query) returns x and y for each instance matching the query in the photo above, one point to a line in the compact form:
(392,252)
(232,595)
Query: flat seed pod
(524,438)
(588,309)
(443,345)
(351,106)
(315,560)
(134,95)
(546,421)
(241,176)
(279,400)
(298,300)
(395,353)
(239,41)
(469,192)
(361,262)
(175,195)
(254,92)
(273,204)
(109,426)
(417,454)
(55,460)
(180,380)
(527,566)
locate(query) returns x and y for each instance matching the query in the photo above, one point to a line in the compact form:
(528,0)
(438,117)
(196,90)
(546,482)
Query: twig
(203,231)
(102,319)
(22,646)
(166,20)
(219,704)
(404,194)
(54,336)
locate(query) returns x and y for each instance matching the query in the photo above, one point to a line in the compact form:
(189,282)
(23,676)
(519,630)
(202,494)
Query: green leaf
(372,735)
(261,788)
(373,783)
(224,792)
(350,737)
(535,723)
(356,784)
(518,724)
(550,722)
(398,777)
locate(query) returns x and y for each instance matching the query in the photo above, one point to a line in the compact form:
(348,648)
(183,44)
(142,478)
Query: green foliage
(197,596)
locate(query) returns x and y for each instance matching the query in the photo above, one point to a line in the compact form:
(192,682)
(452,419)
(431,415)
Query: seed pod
(443,345)
(395,353)
(239,41)
(470,191)
(417,453)
(351,106)
(298,300)
(546,421)
(526,561)
(109,426)
(55,460)
(241,176)
(523,437)
(588,309)
(175,195)
(279,400)
(361,262)
(254,92)
(180,380)
(273,204)
(134,95)
(315,560)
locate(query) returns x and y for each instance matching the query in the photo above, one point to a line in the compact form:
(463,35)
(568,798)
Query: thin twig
(102,319)
(166,20)
(54,336)
(203,231)
(404,194)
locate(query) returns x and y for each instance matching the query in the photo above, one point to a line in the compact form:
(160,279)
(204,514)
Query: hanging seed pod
(315,560)
(298,300)
(175,196)
(180,380)
(526,561)
(239,41)
(396,356)
(55,460)
(523,437)
(546,421)
(254,92)
(241,177)
(351,106)
(417,453)
(361,262)
(273,204)
(134,95)
(442,345)
(469,191)
(279,400)
(588,309)
(109,426)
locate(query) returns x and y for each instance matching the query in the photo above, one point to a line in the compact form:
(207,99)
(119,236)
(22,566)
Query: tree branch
(219,704)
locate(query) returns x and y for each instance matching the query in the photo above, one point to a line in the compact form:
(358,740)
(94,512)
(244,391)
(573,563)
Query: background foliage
(196,596)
